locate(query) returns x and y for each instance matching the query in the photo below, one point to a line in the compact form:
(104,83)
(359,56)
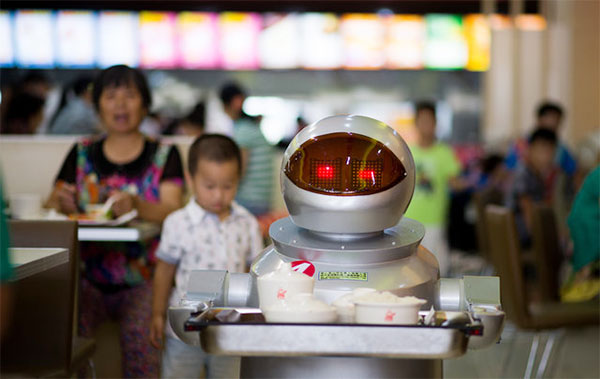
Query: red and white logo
(389,316)
(304,267)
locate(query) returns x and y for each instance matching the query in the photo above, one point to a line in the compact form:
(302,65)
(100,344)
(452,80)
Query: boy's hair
(542,134)
(213,147)
(549,107)
(229,91)
(490,162)
(121,75)
(425,106)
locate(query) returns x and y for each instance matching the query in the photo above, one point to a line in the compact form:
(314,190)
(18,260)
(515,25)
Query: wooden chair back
(505,252)
(547,252)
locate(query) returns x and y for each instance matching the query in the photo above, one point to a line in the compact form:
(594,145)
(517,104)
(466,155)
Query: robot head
(348,175)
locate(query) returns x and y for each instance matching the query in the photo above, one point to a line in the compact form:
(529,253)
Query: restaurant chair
(546,251)
(543,315)
(42,339)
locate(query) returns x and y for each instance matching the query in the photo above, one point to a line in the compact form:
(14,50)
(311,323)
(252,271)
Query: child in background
(211,232)
(437,170)
(533,181)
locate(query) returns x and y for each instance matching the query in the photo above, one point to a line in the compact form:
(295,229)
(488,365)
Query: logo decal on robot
(304,267)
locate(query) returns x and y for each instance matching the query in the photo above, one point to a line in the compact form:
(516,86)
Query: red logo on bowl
(304,267)
(389,316)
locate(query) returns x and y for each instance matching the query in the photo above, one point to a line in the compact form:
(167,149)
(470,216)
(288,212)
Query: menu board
(118,39)
(157,40)
(445,47)
(279,41)
(238,45)
(321,44)
(75,39)
(364,41)
(34,45)
(197,40)
(7,55)
(478,35)
(406,42)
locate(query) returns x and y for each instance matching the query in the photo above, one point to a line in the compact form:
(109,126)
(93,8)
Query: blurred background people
(191,125)
(533,181)
(24,114)
(256,186)
(437,170)
(136,173)
(75,113)
(549,115)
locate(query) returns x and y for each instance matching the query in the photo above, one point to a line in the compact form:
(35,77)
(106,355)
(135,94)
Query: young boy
(210,232)
(437,172)
(534,180)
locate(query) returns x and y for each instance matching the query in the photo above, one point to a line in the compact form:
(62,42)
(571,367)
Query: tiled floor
(576,354)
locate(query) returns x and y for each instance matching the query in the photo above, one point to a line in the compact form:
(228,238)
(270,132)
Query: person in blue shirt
(549,116)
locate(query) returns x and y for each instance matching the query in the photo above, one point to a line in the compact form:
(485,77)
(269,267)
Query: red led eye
(367,175)
(325,172)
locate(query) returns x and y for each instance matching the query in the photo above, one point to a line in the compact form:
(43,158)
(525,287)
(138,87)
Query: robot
(346,182)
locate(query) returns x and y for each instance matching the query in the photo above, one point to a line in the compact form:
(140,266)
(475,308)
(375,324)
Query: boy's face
(215,185)
(425,123)
(541,155)
(550,120)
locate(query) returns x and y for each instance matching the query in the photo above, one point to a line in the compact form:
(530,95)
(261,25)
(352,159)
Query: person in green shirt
(6,271)
(437,170)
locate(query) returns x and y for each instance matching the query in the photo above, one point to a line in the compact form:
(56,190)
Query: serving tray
(244,332)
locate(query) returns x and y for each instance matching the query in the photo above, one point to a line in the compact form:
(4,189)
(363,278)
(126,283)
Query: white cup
(26,205)
(282,283)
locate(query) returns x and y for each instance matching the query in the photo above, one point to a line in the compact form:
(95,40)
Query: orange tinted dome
(344,164)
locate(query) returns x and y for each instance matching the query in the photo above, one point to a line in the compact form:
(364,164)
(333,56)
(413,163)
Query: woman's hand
(123,202)
(157,329)
(66,195)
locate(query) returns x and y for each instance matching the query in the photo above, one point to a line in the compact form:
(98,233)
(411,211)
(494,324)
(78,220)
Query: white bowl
(300,308)
(387,308)
(281,284)
(344,305)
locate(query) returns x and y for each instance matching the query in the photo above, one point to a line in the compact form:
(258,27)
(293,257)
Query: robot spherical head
(347,174)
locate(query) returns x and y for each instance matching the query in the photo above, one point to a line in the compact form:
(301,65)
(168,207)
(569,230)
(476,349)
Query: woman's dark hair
(213,147)
(121,75)
(542,134)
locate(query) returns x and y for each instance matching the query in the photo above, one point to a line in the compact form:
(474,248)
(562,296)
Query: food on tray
(387,308)
(300,308)
(281,284)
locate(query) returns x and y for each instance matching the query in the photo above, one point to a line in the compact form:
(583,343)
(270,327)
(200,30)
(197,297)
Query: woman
(137,174)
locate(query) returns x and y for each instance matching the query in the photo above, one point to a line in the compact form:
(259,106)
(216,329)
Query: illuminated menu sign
(157,40)
(321,45)
(118,38)
(75,39)
(364,41)
(238,44)
(250,41)
(279,41)
(7,55)
(406,42)
(197,40)
(445,47)
(34,42)
(478,35)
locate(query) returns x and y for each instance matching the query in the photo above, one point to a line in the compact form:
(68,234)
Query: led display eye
(344,164)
